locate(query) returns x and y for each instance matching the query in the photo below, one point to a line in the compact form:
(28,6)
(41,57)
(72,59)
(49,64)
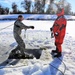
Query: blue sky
(72,2)
(7,3)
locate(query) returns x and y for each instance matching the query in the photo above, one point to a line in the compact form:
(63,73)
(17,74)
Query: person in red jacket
(59,29)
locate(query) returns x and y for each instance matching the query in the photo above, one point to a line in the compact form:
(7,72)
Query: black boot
(54,52)
(58,55)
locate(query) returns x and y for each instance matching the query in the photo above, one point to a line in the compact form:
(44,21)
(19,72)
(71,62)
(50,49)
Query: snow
(39,37)
(34,16)
(70,28)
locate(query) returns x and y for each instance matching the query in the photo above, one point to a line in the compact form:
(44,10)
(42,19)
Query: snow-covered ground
(39,37)
(34,16)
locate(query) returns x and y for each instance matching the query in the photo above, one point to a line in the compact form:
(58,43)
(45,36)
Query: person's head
(20,18)
(60,12)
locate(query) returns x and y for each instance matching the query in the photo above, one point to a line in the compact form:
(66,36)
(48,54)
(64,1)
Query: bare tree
(14,7)
(43,5)
(1,9)
(50,9)
(39,6)
(67,9)
(6,10)
(59,4)
(26,4)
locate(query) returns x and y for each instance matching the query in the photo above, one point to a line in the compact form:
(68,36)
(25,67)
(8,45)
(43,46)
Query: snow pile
(33,17)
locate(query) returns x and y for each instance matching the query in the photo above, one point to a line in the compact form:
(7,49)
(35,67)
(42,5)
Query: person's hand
(52,35)
(50,29)
(56,33)
(32,27)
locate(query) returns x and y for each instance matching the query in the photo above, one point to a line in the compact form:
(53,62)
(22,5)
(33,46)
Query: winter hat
(60,12)
(20,16)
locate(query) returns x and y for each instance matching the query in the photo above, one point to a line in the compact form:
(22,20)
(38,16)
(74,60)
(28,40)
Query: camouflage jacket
(18,26)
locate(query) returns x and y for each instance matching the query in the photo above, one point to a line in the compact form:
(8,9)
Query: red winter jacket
(59,27)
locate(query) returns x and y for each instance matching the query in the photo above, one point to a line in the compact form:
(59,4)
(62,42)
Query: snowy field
(38,38)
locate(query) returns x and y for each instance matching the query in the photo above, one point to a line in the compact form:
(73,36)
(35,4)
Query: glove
(56,33)
(32,27)
(52,35)
(50,29)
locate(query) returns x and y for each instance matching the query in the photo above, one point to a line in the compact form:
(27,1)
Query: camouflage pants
(21,44)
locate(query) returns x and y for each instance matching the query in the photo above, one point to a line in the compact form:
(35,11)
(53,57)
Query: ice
(39,37)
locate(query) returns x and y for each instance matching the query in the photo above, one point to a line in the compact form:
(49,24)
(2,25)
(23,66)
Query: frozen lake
(39,37)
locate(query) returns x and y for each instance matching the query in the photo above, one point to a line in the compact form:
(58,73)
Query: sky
(72,2)
(8,3)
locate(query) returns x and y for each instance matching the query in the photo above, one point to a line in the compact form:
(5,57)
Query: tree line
(38,7)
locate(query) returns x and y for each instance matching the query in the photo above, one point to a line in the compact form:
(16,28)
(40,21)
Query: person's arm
(51,29)
(62,26)
(21,25)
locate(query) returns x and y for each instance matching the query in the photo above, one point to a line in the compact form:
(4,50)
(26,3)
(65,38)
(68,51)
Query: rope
(64,65)
(57,69)
(9,51)
(45,64)
(5,27)
(24,65)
